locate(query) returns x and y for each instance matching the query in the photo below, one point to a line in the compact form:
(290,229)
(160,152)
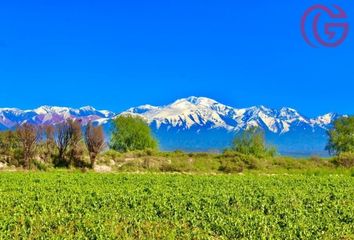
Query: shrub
(315,159)
(233,165)
(167,167)
(288,163)
(112,154)
(344,160)
(177,165)
(200,154)
(178,153)
(230,153)
(41,166)
(150,152)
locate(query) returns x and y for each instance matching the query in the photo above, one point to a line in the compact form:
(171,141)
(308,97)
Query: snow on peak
(200,101)
(325,119)
(183,114)
(107,114)
(51,115)
(142,109)
(88,109)
(10,110)
(43,110)
(287,111)
(50,110)
(199,112)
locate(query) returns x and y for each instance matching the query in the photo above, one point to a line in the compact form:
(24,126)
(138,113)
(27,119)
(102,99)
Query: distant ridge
(49,115)
(192,112)
(196,123)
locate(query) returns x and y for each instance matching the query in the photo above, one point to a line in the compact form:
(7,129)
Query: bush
(229,153)
(199,154)
(231,166)
(178,153)
(232,161)
(344,160)
(112,154)
(289,163)
(151,163)
(41,166)
(167,167)
(150,152)
(177,165)
(316,159)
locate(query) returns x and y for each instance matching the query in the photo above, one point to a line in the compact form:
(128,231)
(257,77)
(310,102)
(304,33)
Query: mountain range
(197,124)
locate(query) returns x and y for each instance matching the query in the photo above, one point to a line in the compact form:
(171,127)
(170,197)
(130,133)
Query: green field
(175,206)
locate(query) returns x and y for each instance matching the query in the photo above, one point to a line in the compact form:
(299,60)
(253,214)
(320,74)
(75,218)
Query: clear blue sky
(117,54)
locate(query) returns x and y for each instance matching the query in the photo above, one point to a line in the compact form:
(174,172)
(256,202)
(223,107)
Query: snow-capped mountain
(47,115)
(197,123)
(201,112)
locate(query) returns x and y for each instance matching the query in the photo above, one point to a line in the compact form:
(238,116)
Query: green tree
(131,133)
(341,136)
(252,142)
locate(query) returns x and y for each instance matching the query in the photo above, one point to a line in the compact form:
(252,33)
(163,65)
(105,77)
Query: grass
(208,163)
(229,162)
(75,205)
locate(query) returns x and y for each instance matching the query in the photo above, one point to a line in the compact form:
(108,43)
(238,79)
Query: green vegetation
(341,142)
(252,143)
(133,148)
(246,192)
(228,162)
(341,137)
(65,146)
(73,205)
(131,133)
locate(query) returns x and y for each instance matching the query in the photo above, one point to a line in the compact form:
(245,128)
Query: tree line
(67,143)
(62,144)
